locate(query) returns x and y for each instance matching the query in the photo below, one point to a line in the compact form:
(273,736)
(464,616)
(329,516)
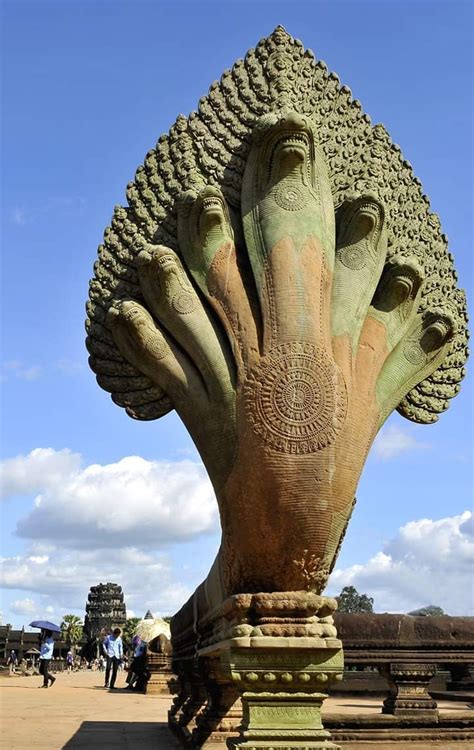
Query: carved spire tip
(280,31)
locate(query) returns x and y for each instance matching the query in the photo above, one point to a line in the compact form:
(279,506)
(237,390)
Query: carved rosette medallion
(296,398)
(290,196)
(184,302)
(354,256)
(414,353)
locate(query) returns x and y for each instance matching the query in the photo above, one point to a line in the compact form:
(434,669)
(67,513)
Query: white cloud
(130,502)
(24,607)
(17,369)
(30,373)
(391,441)
(62,582)
(427,562)
(18,216)
(70,367)
(41,469)
(102,523)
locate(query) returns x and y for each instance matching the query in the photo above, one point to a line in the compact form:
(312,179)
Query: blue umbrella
(45,625)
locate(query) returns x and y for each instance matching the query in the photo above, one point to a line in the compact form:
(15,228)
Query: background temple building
(18,640)
(105,609)
(22,642)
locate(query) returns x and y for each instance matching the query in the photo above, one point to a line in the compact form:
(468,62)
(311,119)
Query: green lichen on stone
(211,147)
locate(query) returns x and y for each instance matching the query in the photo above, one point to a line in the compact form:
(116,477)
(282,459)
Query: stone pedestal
(409,690)
(255,672)
(160,674)
(281,682)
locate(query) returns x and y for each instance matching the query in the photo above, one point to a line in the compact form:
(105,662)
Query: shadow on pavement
(122,735)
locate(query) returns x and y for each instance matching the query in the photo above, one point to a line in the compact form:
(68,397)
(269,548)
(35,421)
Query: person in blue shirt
(46,654)
(113,651)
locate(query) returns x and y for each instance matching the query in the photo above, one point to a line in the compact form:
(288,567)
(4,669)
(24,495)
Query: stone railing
(407,651)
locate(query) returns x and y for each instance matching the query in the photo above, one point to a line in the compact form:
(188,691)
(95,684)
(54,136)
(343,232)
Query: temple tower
(105,609)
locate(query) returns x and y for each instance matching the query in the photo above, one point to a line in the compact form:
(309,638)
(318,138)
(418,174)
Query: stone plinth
(281,682)
(257,673)
(409,695)
(159,667)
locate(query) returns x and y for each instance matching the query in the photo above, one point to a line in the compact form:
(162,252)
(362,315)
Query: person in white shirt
(46,654)
(113,650)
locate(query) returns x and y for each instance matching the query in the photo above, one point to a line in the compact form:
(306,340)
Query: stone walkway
(78,714)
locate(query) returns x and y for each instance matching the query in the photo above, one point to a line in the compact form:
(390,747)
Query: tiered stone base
(255,690)
(162,679)
(409,695)
(281,683)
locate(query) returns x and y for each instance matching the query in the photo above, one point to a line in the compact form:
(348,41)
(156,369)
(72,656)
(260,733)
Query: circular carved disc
(354,256)
(290,196)
(414,353)
(296,398)
(184,302)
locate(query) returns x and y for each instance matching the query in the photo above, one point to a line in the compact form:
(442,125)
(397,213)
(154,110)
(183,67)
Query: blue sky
(87,89)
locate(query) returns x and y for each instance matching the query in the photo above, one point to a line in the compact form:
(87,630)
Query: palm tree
(71,630)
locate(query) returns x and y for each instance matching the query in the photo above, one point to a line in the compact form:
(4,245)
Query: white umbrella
(152,628)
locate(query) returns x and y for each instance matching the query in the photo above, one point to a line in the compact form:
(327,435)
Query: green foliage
(128,630)
(71,630)
(432,610)
(349,600)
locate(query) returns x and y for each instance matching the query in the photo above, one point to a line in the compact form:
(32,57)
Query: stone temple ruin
(105,609)
(279,280)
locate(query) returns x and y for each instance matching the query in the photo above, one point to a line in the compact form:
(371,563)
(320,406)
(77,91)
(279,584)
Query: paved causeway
(78,714)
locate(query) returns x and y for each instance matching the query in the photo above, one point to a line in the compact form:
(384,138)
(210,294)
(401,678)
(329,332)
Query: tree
(72,630)
(432,610)
(128,630)
(349,600)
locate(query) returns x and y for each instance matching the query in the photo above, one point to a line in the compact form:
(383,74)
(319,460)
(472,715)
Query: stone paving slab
(77,713)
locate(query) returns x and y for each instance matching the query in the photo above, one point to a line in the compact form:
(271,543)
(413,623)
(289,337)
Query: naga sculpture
(279,280)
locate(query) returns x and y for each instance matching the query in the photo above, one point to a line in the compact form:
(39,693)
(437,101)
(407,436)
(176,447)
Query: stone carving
(211,147)
(279,280)
(293,399)
(409,690)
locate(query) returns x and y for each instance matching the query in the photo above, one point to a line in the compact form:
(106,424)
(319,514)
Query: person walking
(69,661)
(113,650)
(12,662)
(46,654)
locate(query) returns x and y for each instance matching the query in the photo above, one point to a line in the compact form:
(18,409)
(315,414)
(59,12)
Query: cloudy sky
(88,495)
